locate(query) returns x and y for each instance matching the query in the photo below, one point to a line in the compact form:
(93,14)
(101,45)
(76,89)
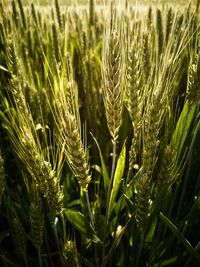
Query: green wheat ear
(75,151)
(23,17)
(36,224)
(193,84)
(33,13)
(58,14)
(132,100)
(56,43)
(159,28)
(112,73)
(166,165)
(168,25)
(15,14)
(146,58)
(142,201)
(19,237)
(151,130)
(92,12)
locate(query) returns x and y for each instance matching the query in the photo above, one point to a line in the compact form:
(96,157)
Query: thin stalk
(64,227)
(111,180)
(89,208)
(113,161)
(108,195)
(189,158)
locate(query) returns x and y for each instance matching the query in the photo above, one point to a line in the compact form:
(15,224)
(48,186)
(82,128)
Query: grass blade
(180,237)
(78,220)
(103,167)
(117,179)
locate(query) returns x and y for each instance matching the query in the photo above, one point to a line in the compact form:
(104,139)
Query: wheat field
(99,134)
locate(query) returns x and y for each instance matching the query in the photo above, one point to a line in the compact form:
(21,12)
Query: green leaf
(180,237)
(183,128)
(128,192)
(103,167)
(78,220)
(166,262)
(117,179)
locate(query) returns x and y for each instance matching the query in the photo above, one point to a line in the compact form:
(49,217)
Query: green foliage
(99,135)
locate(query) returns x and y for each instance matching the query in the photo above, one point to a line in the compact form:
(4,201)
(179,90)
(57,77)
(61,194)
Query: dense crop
(99,135)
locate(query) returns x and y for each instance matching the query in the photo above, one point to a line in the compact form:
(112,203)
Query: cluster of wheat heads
(99,135)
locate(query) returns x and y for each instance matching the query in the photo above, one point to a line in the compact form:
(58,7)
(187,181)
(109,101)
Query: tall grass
(99,135)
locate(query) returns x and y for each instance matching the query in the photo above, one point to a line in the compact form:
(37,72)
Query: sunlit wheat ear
(133,78)
(112,73)
(23,137)
(132,100)
(75,151)
(53,192)
(193,83)
(41,170)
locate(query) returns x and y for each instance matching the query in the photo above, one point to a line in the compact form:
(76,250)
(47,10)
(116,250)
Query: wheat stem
(89,208)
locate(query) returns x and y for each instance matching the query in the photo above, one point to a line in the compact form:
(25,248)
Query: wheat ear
(132,100)
(112,84)
(193,84)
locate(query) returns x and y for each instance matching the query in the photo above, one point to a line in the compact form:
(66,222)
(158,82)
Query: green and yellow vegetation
(99,134)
